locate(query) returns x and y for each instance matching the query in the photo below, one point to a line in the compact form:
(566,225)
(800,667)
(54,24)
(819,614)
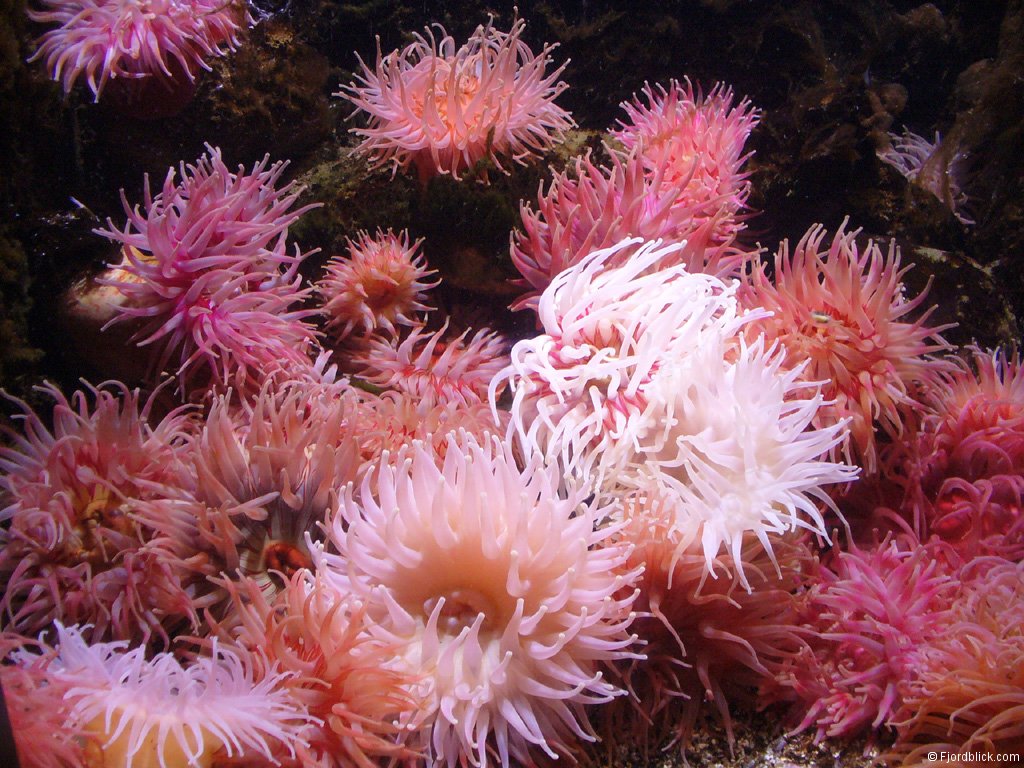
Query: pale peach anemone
(75,547)
(501,591)
(843,315)
(611,324)
(963,476)
(380,286)
(453,110)
(339,671)
(967,691)
(161,712)
(694,143)
(709,643)
(433,365)
(266,475)
(597,207)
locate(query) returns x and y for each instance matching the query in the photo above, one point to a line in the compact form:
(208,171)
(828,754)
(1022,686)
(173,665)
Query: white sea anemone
(581,386)
(504,593)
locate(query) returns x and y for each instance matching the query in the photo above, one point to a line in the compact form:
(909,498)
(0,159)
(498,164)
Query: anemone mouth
(458,608)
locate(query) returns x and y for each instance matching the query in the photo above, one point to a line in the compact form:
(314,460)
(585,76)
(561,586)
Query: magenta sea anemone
(843,315)
(161,712)
(499,591)
(435,367)
(868,614)
(380,285)
(207,275)
(74,547)
(444,109)
(104,40)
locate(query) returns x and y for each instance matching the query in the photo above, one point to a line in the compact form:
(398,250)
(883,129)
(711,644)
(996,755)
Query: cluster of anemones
(300,571)
(453,110)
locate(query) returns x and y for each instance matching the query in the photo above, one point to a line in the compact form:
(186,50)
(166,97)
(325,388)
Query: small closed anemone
(453,110)
(500,592)
(339,671)
(128,40)
(75,547)
(695,144)
(206,276)
(434,366)
(266,475)
(964,473)
(611,324)
(597,207)
(161,712)
(967,692)
(842,314)
(379,287)
(708,642)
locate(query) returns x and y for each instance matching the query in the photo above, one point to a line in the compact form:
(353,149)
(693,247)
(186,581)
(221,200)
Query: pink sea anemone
(433,366)
(708,642)
(207,275)
(74,547)
(843,314)
(869,612)
(444,109)
(160,712)
(380,285)
(967,692)
(595,207)
(693,144)
(105,40)
(500,591)
(963,475)
(266,475)
(339,671)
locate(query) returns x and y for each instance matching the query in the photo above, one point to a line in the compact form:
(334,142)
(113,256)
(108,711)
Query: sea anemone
(963,474)
(160,712)
(843,316)
(339,671)
(707,642)
(868,612)
(497,587)
(610,324)
(266,475)
(74,545)
(378,287)
(597,207)
(109,39)
(694,146)
(967,692)
(444,110)
(937,167)
(427,365)
(208,277)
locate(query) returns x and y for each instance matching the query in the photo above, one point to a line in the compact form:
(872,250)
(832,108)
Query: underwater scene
(455,384)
